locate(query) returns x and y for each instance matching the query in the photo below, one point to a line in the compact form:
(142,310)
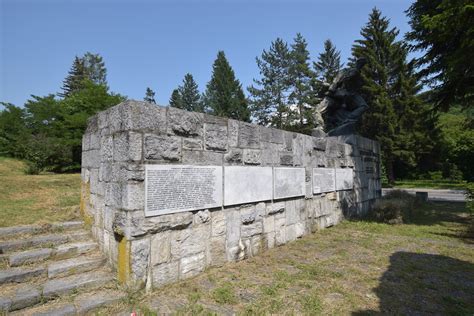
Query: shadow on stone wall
(425,284)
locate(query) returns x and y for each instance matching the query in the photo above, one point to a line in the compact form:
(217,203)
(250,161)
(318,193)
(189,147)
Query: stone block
(165,273)
(139,256)
(217,254)
(189,242)
(127,146)
(18,275)
(286,158)
(280,230)
(142,116)
(133,196)
(252,156)
(160,248)
(256,244)
(192,265)
(268,224)
(235,155)
(252,229)
(233,132)
(196,157)
(248,214)
(192,144)
(269,240)
(158,147)
(184,123)
(233,223)
(271,135)
(113,194)
(25,296)
(276,207)
(218,224)
(90,159)
(202,217)
(215,137)
(248,136)
(106,148)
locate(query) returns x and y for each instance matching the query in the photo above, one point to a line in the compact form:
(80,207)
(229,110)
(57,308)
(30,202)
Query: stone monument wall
(168,192)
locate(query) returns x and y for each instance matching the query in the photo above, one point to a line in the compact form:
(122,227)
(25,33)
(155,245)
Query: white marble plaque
(247,184)
(288,182)
(324,180)
(180,188)
(344,179)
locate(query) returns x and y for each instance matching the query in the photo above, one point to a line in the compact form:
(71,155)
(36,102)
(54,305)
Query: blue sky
(155,43)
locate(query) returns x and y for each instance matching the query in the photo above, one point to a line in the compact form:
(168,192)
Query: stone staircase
(53,270)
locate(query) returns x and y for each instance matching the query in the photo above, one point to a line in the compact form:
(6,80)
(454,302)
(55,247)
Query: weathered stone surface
(268,224)
(188,242)
(165,273)
(74,265)
(215,137)
(217,254)
(133,196)
(252,156)
(184,123)
(159,147)
(61,310)
(218,224)
(248,214)
(251,229)
(192,265)
(202,217)
(29,256)
(57,287)
(160,248)
(139,115)
(197,157)
(71,249)
(271,135)
(140,252)
(233,133)
(127,146)
(90,302)
(248,135)
(5,303)
(286,158)
(192,144)
(233,222)
(20,274)
(25,296)
(274,208)
(235,155)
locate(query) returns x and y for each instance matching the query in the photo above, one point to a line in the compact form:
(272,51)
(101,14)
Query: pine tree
(74,80)
(175,99)
(224,95)
(269,104)
(149,96)
(95,68)
(189,93)
(301,77)
(395,114)
(329,63)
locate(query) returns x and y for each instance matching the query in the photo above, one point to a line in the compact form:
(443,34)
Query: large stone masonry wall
(153,251)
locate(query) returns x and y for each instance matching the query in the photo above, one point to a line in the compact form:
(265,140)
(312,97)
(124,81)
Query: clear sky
(155,43)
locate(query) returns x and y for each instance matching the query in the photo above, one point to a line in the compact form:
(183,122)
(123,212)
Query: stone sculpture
(342,105)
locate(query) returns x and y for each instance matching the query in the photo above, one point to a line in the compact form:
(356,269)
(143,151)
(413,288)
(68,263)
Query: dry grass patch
(28,199)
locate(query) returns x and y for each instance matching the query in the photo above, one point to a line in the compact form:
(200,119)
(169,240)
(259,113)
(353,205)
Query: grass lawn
(356,267)
(430,184)
(28,199)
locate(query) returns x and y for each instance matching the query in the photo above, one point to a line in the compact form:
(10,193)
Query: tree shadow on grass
(425,284)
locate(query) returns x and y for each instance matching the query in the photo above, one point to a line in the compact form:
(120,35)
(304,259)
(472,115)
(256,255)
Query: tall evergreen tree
(88,67)
(189,93)
(395,113)
(269,103)
(149,96)
(224,95)
(74,80)
(301,76)
(175,99)
(329,62)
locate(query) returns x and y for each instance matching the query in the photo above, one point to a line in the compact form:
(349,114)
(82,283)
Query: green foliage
(470,197)
(397,116)
(189,95)
(149,96)
(175,99)
(269,103)
(443,30)
(329,63)
(224,95)
(301,77)
(13,131)
(224,295)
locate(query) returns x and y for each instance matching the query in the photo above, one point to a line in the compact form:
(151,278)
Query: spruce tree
(301,77)
(95,68)
(189,93)
(329,63)
(149,96)
(74,80)
(224,95)
(175,99)
(269,103)
(395,114)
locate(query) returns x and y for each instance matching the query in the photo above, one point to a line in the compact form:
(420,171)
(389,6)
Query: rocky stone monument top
(342,105)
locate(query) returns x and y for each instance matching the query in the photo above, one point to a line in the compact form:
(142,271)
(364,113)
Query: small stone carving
(342,105)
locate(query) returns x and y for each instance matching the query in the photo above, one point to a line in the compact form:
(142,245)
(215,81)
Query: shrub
(394,208)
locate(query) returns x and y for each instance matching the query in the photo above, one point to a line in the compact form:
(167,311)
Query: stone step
(63,251)
(41,241)
(82,304)
(13,231)
(27,295)
(22,274)
(63,286)
(74,266)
